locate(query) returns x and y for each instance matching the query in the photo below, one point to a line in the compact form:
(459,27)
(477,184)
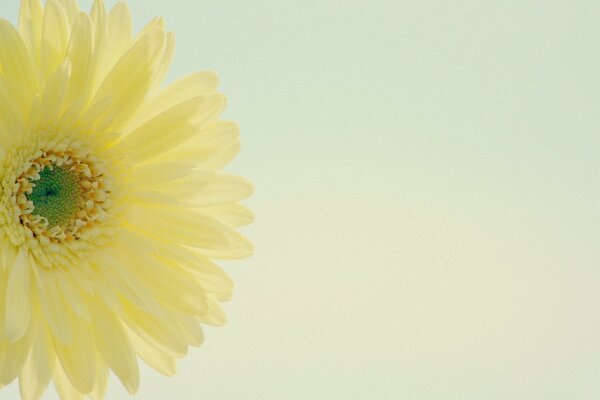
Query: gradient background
(427,199)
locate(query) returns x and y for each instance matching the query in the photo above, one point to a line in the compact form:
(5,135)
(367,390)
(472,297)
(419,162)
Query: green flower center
(56,195)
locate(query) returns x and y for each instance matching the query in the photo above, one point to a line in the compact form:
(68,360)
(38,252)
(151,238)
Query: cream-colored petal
(73,295)
(101,385)
(185,226)
(215,315)
(209,144)
(184,89)
(156,331)
(52,101)
(155,357)
(78,359)
(202,189)
(126,284)
(233,214)
(190,327)
(15,354)
(150,174)
(55,37)
(63,385)
(71,9)
(165,62)
(12,125)
(246,249)
(114,346)
(39,367)
(128,83)
(210,276)
(17,67)
(171,128)
(80,54)
(30,27)
(169,284)
(53,306)
(18,297)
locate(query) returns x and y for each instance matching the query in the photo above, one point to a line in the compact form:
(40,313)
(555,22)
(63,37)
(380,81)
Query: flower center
(55,195)
(62,195)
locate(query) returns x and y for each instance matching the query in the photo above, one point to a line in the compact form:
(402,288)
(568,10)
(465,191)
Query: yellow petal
(202,189)
(101,385)
(18,297)
(17,66)
(53,306)
(215,315)
(39,367)
(80,55)
(78,358)
(63,386)
(55,37)
(153,356)
(187,227)
(156,331)
(30,27)
(52,100)
(129,81)
(113,345)
(232,214)
(182,90)
(171,128)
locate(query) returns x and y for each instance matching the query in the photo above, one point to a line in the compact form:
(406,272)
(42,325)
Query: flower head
(112,203)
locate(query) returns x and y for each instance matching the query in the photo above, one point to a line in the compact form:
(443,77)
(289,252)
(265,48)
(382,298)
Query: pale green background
(427,199)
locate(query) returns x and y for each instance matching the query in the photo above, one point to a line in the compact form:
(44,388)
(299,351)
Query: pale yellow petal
(53,306)
(182,90)
(210,142)
(150,174)
(52,100)
(202,189)
(113,345)
(11,119)
(156,331)
(215,315)
(129,81)
(171,128)
(18,297)
(80,54)
(126,284)
(155,357)
(191,328)
(210,276)
(17,67)
(71,10)
(169,284)
(30,27)
(63,385)
(77,358)
(233,214)
(39,367)
(187,227)
(55,37)
(101,385)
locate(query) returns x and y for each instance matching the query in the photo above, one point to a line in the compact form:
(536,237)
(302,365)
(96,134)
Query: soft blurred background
(427,199)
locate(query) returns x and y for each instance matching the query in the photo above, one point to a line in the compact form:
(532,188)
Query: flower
(112,203)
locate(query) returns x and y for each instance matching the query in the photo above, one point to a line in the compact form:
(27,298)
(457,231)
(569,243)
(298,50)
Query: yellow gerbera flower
(111,203)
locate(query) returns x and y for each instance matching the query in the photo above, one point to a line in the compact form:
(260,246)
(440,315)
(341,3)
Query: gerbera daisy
(112,205)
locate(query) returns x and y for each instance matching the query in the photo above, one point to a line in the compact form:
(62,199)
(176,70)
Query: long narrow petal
(112,342)
(78,358)
(30,27)
(18,297)
(55,37)
(38,369)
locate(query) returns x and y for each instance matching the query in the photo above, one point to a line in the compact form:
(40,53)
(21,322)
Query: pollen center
(62,194)
(55,195)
